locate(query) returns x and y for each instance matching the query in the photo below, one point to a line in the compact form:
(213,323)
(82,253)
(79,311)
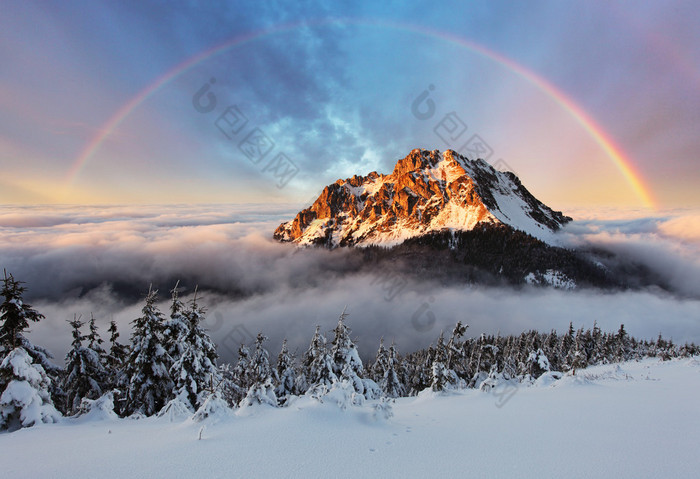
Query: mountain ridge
(426,192)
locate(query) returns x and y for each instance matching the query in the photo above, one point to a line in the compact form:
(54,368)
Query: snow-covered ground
(638,419)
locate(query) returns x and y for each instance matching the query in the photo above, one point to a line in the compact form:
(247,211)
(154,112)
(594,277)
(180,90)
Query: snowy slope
(635,420)
(428,191)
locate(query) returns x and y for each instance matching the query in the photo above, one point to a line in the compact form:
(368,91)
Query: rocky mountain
(427,192)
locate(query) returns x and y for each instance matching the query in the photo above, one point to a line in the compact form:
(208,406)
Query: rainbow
(614,152)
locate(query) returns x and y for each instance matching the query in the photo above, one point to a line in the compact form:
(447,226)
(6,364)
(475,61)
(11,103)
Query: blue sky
(331,87)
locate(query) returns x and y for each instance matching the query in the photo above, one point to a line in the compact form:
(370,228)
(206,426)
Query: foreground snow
(638,419)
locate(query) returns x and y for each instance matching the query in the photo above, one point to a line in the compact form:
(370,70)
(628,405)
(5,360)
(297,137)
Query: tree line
(498,255)
(170,365)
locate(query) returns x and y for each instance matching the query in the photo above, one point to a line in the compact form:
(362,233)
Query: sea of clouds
(102,260)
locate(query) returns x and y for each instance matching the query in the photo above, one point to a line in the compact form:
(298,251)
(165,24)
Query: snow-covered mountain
(428,191)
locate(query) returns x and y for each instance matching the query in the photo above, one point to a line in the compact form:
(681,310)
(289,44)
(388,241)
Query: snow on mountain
(427,191)
(551,277)
(629,420)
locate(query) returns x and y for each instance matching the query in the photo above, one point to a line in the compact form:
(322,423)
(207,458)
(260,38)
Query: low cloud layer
(668,243)
(413,319)
(82,260)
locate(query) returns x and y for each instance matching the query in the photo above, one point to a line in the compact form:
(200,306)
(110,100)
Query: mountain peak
(427,191)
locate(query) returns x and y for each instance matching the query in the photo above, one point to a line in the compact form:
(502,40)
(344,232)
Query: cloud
(668,243)
(684,228)
(413,319)
(224,248)
(82,260)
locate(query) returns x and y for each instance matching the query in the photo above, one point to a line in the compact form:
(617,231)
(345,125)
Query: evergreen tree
(25,399)
(319,364)
(662,349)
(597,355)
(579,358)
(261,390)
(15,318)
(443,377)
(484,359)
(15,314)
(94,339)
(347,364)
(228,389)
(422,366)
(310,356)
(313,362)
(381,363)
(567,349)
(149,385)
(510,358)
(391,383)
(114,361)
(241,372)
(195,369)
(552,350)
(622,345)
(455,350)
(538,363)
(176,327)
(85,373)
(286,373)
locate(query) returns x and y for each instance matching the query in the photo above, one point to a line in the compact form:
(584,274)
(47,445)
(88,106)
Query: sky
(592,104)
(147,142)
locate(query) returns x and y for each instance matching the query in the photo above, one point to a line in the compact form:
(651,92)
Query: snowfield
(636,419)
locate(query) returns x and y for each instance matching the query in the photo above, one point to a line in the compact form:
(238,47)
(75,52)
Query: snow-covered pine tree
(301,384)
(510,358)
(475,359)
(85,372)
(93,338)
(114,361)
(443,377)
(567,348)
(662,349)
(597,355)
(25,399)
(195,369)
(175,329)
(309,358)
(652,349)
(391,383)
(15,314)
(241,370)
(455,352)
(318,362)
(622,345)
(579,358)
(553,351)
(421,374)
(261,390)
(538,363)
(15,318)
(380,364)
(148,383)
(286,373)
(483,359)
(347,364)
(176,326)
(228,388)
(518,355)
(489,353)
